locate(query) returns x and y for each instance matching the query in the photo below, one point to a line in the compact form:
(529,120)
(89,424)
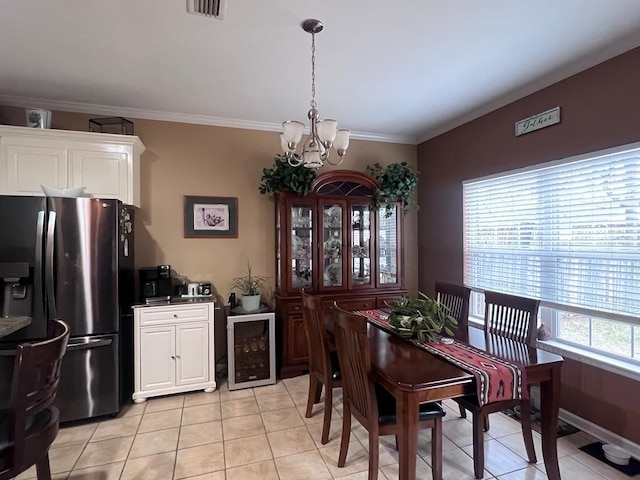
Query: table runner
(496,379)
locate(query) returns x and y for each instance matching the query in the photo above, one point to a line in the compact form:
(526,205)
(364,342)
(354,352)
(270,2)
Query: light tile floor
(261,433)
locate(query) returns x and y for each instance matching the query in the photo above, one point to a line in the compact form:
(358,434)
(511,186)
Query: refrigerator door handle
(39,290)
(82,345)
(51,230)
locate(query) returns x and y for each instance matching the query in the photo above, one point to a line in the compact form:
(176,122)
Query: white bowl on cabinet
(616,455)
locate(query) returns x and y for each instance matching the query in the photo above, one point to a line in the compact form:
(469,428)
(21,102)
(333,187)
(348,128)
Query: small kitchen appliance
(156,282)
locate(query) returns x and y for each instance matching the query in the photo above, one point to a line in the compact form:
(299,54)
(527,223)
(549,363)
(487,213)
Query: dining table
(414,376)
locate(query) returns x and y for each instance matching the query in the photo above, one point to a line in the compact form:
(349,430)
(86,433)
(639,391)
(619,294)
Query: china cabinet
(333,243)
(107,165)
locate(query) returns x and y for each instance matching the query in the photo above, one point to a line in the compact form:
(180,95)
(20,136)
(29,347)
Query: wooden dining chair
(514,318)
(30,424)
(324,368)
(456,299)
(368,402)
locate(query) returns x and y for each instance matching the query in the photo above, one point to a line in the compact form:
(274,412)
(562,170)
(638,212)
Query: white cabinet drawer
(173,314)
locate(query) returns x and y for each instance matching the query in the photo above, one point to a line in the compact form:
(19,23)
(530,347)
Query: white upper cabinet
(107,165)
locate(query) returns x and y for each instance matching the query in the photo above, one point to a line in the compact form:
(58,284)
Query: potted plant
(251,288)
(285,177)
(398,183)
(422,317)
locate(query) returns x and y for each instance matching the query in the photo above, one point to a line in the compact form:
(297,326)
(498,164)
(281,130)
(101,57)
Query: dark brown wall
(603,398)
(599,109)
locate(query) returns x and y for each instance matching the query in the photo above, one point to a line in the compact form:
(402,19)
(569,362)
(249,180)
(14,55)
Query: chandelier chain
(313,70)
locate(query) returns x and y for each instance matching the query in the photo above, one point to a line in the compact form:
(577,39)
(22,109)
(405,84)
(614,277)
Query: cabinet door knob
(173,357)
(177,356)
(175,315)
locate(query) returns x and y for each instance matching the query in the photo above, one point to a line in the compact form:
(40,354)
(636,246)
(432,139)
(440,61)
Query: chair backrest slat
(37,371)
(314,324)
(36,375)
(511,316)
(456,299)
(355,365)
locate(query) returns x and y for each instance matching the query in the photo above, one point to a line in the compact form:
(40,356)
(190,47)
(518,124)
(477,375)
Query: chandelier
(324,134)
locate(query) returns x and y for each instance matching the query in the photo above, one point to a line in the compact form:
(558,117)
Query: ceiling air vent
(208,8)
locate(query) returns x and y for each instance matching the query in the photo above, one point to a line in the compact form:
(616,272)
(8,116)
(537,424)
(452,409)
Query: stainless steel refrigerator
(75,258)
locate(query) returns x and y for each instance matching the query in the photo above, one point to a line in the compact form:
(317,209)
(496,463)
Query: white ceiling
(403,70)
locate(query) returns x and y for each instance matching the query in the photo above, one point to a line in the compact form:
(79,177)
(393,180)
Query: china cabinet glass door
(361,243)
(388,251)
(301,226)
(332,244)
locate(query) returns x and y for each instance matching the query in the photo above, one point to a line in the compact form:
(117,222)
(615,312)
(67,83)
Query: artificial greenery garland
(398,183)
(285,177)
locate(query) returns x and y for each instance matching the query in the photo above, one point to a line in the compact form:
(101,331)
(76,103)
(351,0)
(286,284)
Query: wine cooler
(251,342)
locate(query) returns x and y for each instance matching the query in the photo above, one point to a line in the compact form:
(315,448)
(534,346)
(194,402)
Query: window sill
(619,367)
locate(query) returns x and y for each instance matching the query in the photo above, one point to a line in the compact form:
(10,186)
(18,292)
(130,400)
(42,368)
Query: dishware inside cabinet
(301,246)
(360,244)
(332,244)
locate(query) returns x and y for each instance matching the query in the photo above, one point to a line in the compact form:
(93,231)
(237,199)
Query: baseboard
(600,433)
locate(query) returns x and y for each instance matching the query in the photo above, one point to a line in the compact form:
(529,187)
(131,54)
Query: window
(568,233)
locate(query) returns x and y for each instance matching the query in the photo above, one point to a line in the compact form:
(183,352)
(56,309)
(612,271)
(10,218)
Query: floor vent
(208,8)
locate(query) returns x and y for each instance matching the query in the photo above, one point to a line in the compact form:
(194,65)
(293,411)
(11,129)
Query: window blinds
(567,233)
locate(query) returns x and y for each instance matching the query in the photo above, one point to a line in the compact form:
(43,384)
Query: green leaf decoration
(422,318)
(283,176)
(398,183)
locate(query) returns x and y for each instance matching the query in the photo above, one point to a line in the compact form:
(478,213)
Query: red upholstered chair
(30,424)
(513,318)
(456,299)
(324,368)
(369,403)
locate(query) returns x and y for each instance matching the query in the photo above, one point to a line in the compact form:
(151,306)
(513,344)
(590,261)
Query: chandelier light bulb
(327,131)
(341,142)
(293,132)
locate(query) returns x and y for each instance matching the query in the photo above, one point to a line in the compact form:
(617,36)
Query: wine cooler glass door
(252,351)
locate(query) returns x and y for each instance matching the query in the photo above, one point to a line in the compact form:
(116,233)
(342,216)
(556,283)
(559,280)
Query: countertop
(231,312)
(176,301)
(8,325)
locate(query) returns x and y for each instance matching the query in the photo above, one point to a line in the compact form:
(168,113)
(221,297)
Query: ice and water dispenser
(17,290)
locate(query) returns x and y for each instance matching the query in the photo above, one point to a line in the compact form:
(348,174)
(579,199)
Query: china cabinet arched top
(345,183)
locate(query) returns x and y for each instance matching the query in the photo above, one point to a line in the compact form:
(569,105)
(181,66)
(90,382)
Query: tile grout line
(124,465)
(175,458)
(266,434)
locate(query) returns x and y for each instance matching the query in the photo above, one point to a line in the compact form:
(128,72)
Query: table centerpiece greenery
(422,318)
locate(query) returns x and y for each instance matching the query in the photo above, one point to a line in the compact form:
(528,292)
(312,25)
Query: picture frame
(210,217)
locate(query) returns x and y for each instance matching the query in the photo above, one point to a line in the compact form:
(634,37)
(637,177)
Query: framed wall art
(215,217)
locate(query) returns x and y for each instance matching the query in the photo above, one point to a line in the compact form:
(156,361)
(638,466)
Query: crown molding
(95,109)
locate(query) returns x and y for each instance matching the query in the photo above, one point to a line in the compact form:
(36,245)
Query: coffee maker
(156,283)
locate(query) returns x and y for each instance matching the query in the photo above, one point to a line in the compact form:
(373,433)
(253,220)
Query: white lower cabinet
(192,348)
(157,358)
(174,349)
